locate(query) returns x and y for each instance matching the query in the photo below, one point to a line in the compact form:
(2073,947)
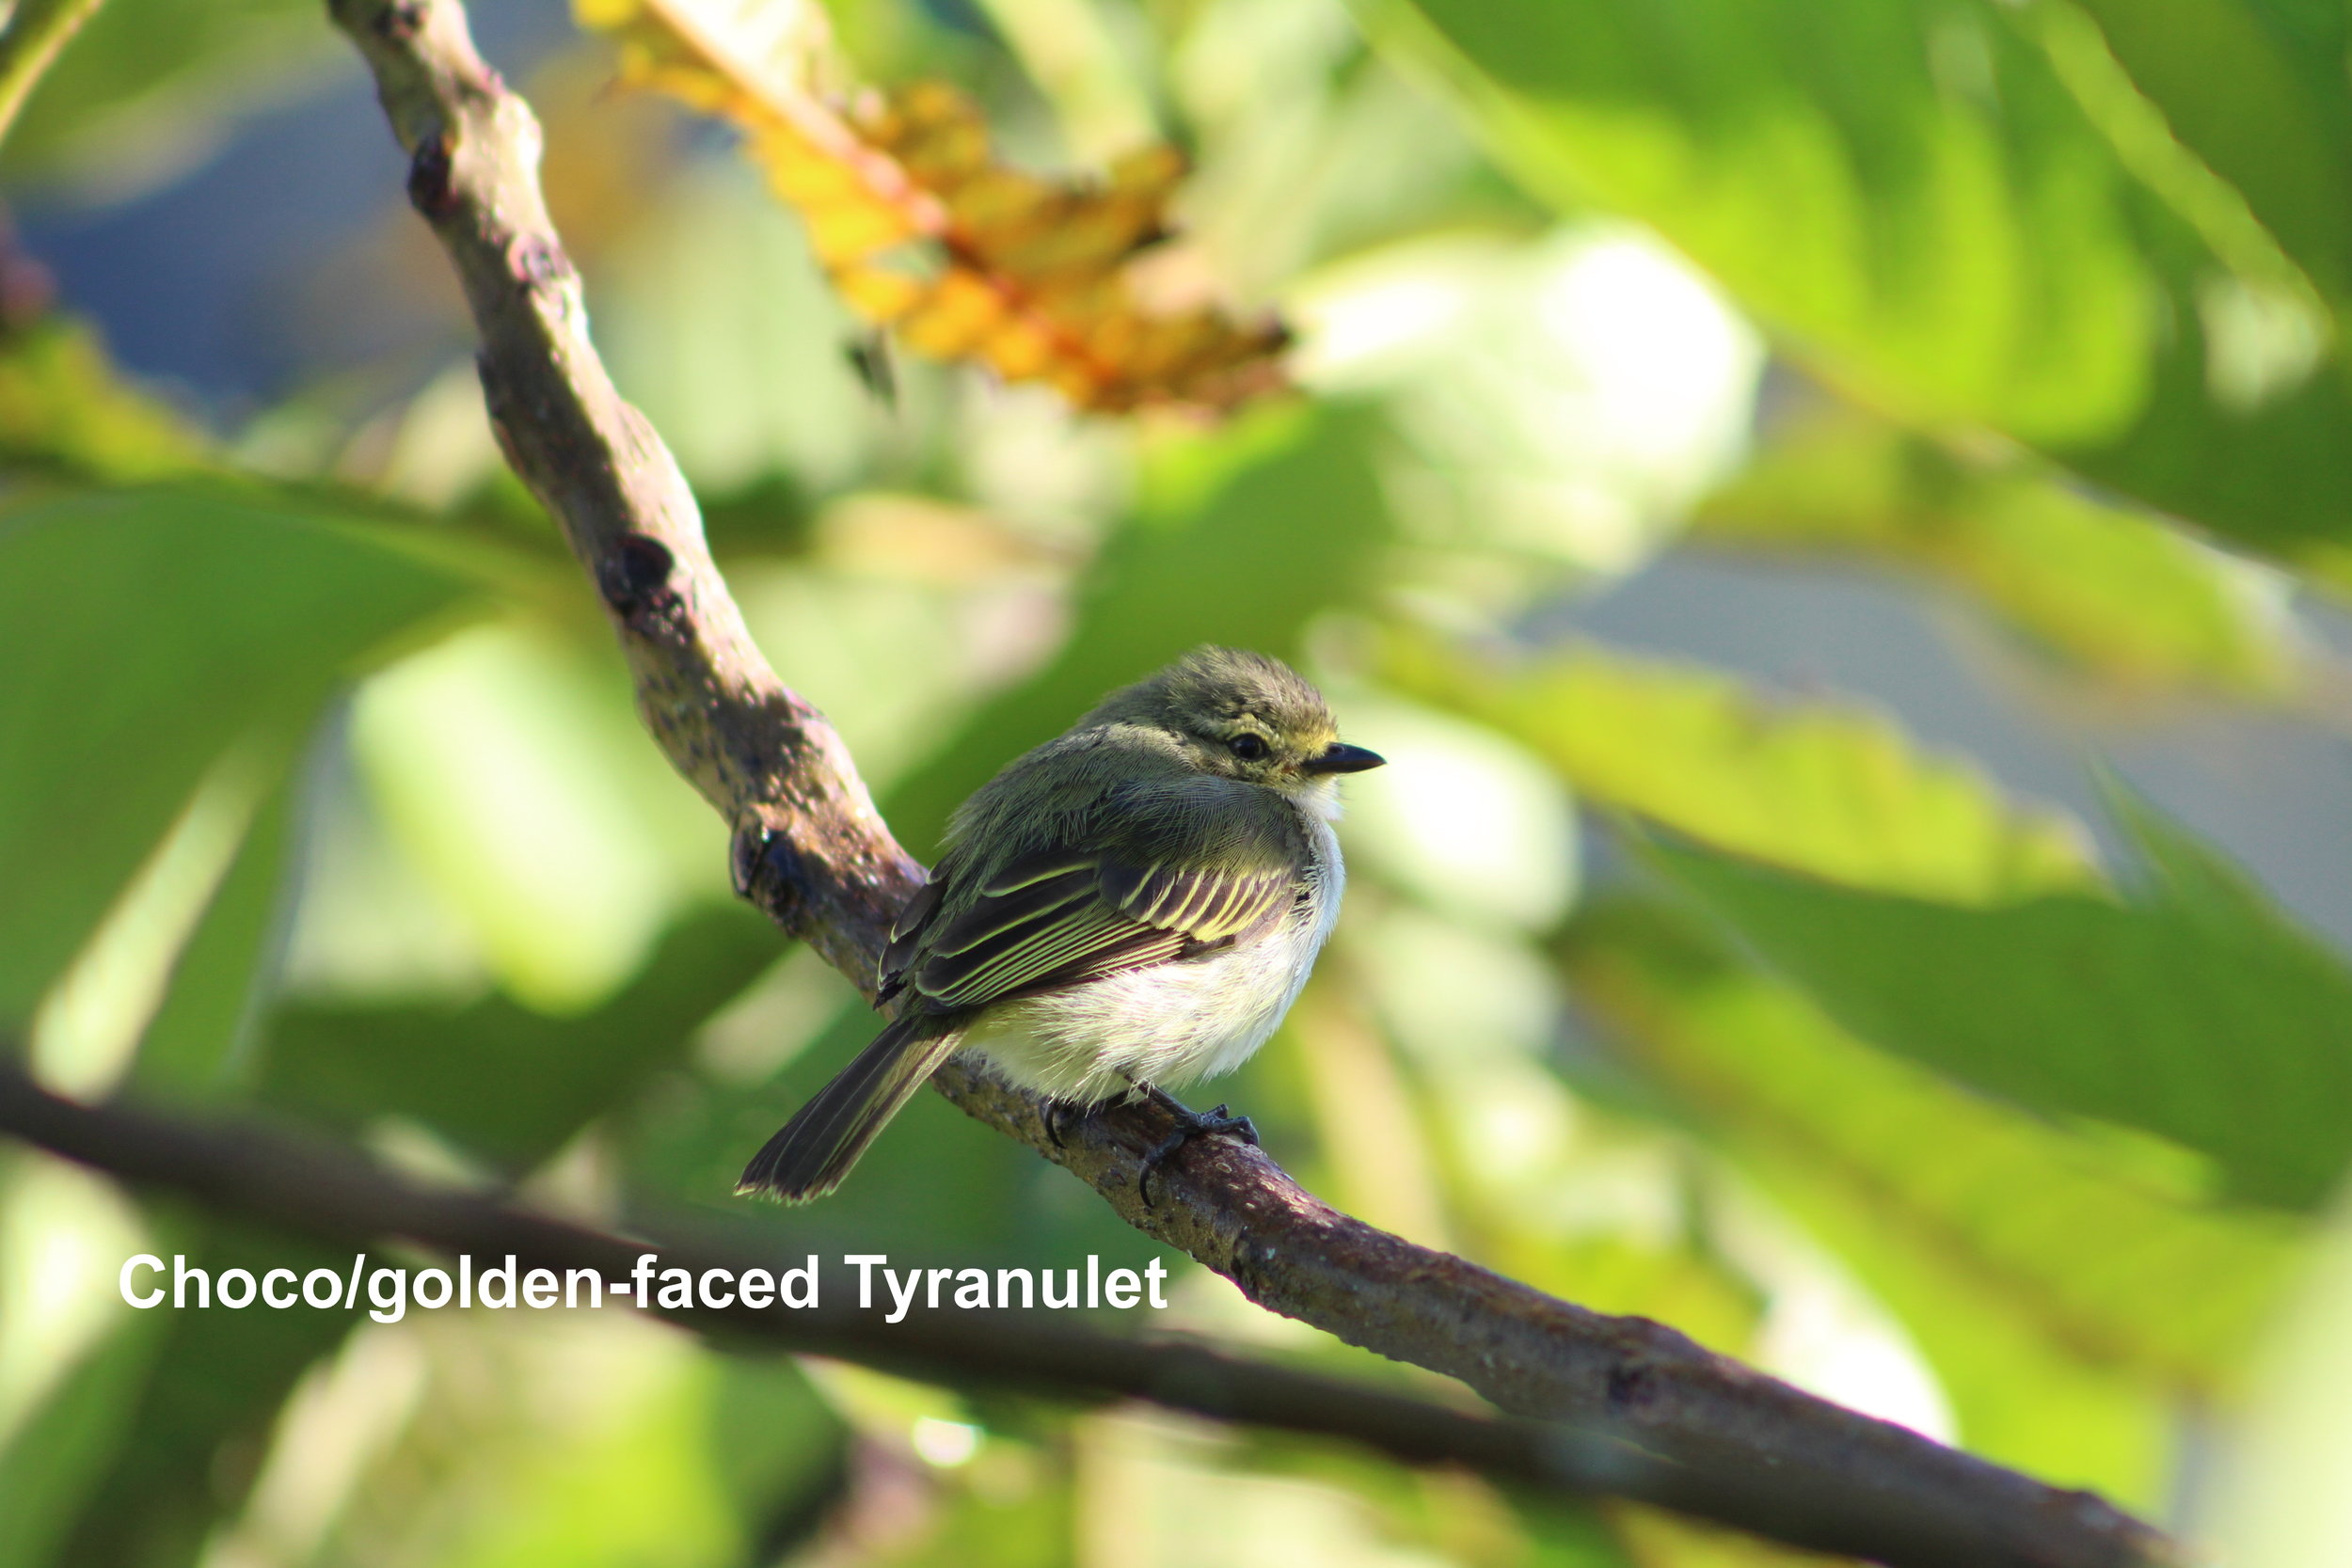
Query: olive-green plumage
(1136,901)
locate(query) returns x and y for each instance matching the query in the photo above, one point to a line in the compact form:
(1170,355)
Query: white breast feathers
(1172,1023)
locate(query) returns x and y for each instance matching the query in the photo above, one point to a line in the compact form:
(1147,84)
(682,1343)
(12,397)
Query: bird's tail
(816,1147)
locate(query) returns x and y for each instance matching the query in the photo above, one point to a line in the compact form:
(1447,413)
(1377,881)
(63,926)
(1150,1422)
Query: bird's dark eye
(1249,748)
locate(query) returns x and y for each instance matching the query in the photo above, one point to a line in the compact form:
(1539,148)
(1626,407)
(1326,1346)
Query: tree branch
(812,852)
(336,1195)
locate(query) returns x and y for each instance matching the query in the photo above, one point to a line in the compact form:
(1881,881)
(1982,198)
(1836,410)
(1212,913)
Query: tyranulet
(1133,904)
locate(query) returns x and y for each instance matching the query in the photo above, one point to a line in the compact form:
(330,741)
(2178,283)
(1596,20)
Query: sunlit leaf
(148,88)
(144,633)
(194,1422)
(924,231)
(2278,1503)
(1832,791)
(1932,207)
(497,1080)
(2254,88)
(1464,820)
(2119,594)
(2067,1236)
(2018,1397)
(2192,1007)
(64,408)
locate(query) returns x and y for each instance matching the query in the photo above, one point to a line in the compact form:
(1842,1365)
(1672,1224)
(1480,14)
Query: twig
(812,852)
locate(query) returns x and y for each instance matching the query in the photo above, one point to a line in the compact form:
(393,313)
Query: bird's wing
(1061,916)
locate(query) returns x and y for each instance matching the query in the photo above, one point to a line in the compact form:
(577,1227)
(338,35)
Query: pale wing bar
(1056,922)
(1207,905)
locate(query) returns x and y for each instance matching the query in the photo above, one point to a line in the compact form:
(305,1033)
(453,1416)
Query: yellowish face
(1289,756)
(1241,716)
(1246,747)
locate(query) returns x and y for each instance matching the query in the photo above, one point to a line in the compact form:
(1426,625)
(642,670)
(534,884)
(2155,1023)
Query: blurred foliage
(149,88)
(2023,1255)
(1839,794)
(132,683)
(63,408)
(1664,986)
(2094,583)
(1962,215)
(2194,1011)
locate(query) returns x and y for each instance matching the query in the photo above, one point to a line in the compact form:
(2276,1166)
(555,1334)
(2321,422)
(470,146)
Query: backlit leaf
(1832,791)
(2063,1234)
(146,632)
(2116,592)
(1961,215)
(2192,1008)
(2257,89)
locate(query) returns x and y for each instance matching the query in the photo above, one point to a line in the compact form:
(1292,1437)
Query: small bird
(1131,904)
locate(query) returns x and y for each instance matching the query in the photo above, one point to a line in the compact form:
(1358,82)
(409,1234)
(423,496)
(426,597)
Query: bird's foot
(1190,1124)
(1062,1115)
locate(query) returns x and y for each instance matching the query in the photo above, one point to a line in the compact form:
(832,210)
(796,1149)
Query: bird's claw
(1060,1114)
(1190,1124)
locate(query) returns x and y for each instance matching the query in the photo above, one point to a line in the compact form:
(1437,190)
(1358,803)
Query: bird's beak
(1340,757)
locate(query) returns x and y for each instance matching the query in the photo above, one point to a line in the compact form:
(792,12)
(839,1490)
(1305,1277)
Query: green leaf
(2119,592)
(200,1040)
(498,1080)
(777,1448)
(197,1421)
(146,633)
(52,1461)
(1833,791)
(148,88)
(2067,1237)
(1256,532)
(2193,1010)
(640,1489)
(63,407)
(509,769)
(1942,210)
(2257,89)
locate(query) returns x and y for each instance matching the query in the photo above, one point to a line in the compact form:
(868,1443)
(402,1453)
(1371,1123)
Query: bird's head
(1242,716)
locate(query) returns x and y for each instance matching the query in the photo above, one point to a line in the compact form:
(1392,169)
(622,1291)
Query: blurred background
(1837,516)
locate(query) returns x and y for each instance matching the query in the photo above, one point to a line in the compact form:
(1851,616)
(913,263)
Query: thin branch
(812,852)
(334,1195)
